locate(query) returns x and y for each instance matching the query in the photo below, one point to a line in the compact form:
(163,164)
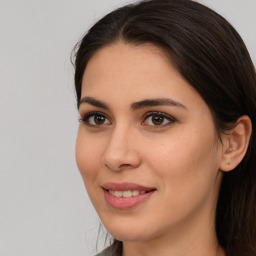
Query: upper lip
(126,186)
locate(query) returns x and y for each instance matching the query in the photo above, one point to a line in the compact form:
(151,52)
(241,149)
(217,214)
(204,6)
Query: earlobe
(235,144)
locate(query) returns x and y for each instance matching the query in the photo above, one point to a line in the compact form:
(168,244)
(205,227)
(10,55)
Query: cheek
(186,169)
(88,155)
(184,159)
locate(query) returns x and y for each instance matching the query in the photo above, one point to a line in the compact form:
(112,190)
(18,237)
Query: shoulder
(104,253)
(101,254)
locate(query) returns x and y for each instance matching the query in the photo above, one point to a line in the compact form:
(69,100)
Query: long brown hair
(211,56)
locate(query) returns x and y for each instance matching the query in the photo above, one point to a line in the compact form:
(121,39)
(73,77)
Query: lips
(126,195)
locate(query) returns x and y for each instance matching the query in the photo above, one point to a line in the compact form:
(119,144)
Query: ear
(235,144)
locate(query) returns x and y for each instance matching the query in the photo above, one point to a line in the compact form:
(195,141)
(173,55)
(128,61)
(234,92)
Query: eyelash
(164,117)
(87,117)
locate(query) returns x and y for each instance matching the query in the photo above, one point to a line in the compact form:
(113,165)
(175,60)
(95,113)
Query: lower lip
(123,203)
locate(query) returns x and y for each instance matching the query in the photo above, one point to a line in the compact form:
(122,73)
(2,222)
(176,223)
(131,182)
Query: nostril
(124,165)
(118,167)
(117,159)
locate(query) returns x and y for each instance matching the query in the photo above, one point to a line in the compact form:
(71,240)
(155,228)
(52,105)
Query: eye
(95,119)
(157,119)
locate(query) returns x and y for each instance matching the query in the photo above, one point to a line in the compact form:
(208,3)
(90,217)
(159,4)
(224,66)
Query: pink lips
(123,203)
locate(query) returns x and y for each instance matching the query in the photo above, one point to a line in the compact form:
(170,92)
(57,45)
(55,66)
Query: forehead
(126,73)
(127,65)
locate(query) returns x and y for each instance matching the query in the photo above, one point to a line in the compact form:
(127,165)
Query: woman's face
(147,147)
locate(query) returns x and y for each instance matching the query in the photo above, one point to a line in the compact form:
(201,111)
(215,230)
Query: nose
(121,152)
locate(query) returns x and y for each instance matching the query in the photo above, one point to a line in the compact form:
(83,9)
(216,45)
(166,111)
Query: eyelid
(164,115)
(85,117)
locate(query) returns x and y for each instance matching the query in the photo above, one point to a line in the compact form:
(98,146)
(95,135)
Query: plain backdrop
(44,208)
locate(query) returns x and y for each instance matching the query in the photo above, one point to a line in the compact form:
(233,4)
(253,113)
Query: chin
(128,235)
(128,230)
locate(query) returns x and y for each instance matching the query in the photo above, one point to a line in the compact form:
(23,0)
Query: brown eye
(95,119)
(157,119)
(98,119)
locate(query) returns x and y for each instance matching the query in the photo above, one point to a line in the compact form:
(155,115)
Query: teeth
(126,193)
(135,192)
(117,193)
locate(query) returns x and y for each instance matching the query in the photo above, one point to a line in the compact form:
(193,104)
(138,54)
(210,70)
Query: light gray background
(44,208)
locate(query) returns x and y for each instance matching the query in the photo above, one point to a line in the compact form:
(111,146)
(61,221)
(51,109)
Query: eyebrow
(93,102)
(156,102)
(136,105)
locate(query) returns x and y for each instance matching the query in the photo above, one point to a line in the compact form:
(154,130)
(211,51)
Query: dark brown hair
(211,56)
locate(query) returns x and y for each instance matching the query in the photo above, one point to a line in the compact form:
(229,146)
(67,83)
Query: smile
(124,196)
(126,193)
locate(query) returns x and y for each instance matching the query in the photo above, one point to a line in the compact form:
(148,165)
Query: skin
(180,158)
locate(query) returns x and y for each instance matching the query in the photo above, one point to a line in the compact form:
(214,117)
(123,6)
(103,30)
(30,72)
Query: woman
(166,143)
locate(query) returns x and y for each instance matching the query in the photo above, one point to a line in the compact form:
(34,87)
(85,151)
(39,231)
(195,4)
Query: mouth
(126,195)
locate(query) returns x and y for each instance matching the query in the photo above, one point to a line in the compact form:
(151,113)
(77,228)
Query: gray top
(103,253)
